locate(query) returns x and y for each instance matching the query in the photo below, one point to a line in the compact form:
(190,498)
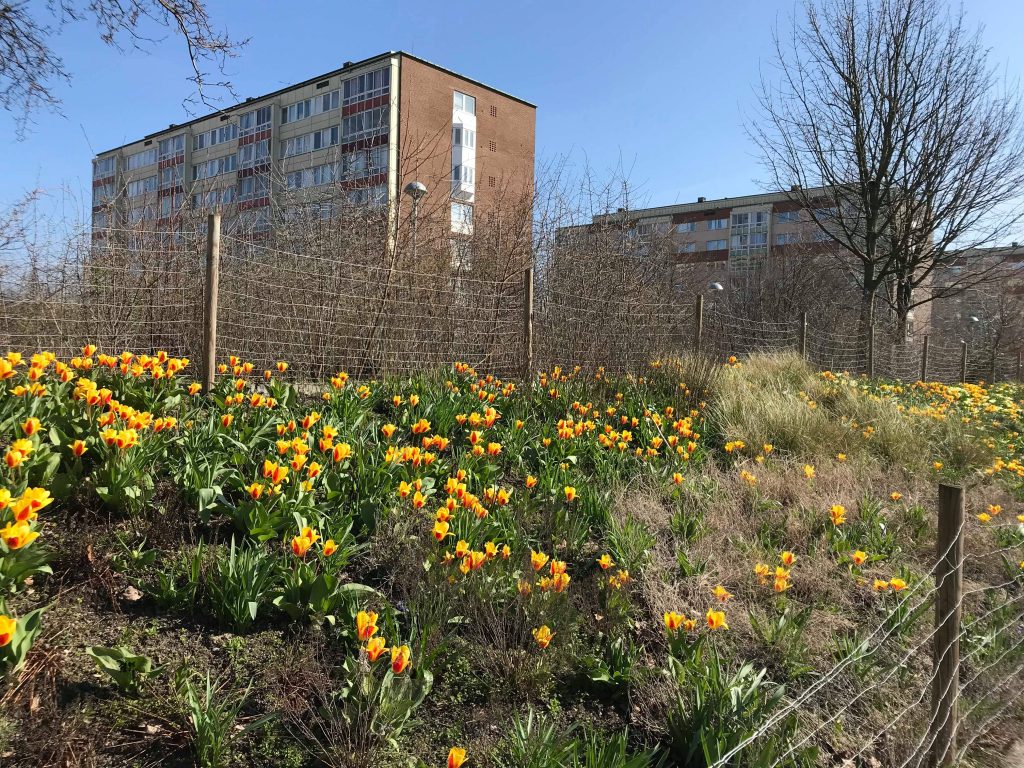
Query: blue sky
(660,87)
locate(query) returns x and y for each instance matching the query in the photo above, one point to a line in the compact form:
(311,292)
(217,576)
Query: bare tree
(30,68)
(891,107)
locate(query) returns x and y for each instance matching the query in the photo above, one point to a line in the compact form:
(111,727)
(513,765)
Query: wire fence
(376,314)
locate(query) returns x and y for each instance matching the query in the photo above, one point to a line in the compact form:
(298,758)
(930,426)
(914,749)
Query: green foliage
(784,632)
(536,742)
(240,580)
(715,711)
(129,670)
(630,543)
(211,712)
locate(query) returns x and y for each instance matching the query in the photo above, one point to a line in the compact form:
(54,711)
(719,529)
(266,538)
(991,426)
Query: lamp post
(416,190)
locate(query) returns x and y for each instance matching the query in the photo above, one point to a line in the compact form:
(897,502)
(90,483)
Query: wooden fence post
(698,322)
(949,580)
(924,359)
(528,324)
(871,351)
(212,288)
(963,362)
(803,335)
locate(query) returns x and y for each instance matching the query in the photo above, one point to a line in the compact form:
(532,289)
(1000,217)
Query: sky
(658,89)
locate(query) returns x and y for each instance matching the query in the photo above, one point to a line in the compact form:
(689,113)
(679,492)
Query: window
(142,159)
(787,217)
(463,137)
(760,218)
(365,162)
(172,176)
(821,236)
(366,86)
(100,219)
(688,226)
(170,204)
(251,154)
(309,142)
(718,223)
(464,103)
(312,177)
(686,248)
(715,245)
(142,186)
(373,196)
(365,123)
(173,147)
(316,105)
(826,213)
(214,167)
(215,136)
(255,121)
(464,174)
(253,187)
(105,167)
(758,239)
(141,213)
(462,218)
(787,238)
(104,193)
(740,220)
(214,198)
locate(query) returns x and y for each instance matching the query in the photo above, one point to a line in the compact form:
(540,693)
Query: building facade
(355,136)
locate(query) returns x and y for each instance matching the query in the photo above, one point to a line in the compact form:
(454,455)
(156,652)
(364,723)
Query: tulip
(440,530)
(570,493)
(542,635)
(898,585)
(808,471)
(375,648)
(838,513)
(537,559)
(716,620)
(399,659)
(721,594)
(605,561)
(18,535)
(281,366)
(30,426)
(530,481)
(8,626)
(677,478)
(859,558)
(31,501)
(787,558)
(330,547)
(673,620)
(895,495)
(366,625)
(461,549)
(456,757)
(881,586)
(226,419)
(301,545)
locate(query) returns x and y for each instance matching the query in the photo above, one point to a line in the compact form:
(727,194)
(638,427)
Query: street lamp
(416,190)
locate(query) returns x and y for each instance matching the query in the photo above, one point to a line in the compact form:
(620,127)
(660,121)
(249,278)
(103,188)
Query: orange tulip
(366,625)
(375,648)
(673,620)
(538,560)
(456,757)
(330,547)
(570,493)
(542,635)
(716,620)
(30,426)
(399,659)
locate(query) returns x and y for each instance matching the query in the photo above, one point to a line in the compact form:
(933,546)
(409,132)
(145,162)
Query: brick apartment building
(359,133)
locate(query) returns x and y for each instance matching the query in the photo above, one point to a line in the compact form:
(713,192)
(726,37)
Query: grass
(372,573)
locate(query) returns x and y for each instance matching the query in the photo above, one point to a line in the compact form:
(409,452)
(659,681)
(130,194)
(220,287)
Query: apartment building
(354,136)
(729,238)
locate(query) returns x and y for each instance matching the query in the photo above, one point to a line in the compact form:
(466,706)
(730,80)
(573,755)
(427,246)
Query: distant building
(357,134)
